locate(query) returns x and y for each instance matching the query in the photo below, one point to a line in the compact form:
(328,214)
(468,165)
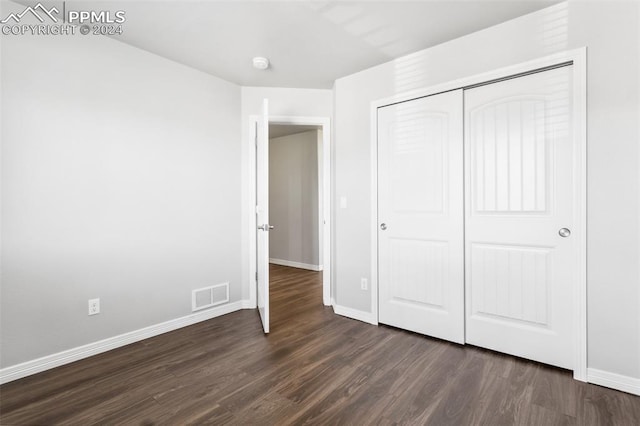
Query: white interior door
(262,214)
(420,210)
(519,211)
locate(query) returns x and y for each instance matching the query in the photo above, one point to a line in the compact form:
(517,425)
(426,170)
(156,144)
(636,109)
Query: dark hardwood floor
(314,368)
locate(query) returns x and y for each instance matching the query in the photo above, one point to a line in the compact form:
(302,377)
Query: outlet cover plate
(94,306)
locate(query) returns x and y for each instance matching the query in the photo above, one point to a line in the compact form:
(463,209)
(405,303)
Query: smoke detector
(260,63)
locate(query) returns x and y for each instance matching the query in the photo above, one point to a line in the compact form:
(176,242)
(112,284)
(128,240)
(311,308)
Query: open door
(262,214)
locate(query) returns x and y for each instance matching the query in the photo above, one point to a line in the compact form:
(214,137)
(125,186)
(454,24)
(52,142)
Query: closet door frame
(577,58)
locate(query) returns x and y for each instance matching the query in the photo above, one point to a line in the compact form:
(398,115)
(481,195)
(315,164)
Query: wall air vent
(207,297)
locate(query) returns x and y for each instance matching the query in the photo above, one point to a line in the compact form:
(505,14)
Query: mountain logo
(38,11)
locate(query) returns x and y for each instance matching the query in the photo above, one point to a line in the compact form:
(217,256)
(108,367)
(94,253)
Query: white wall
(282,102)
(293,199)
(611,32)
(120,180)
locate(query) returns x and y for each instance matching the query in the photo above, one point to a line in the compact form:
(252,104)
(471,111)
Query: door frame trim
(325,183)
(577,58)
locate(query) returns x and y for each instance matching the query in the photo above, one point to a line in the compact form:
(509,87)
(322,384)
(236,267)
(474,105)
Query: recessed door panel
(509,155)
(511,283)
(422,266)
(418,145)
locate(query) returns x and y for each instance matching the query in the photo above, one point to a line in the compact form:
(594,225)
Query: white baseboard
(28,368)
(296,264)
(247,304)
(613,381)
(355,314)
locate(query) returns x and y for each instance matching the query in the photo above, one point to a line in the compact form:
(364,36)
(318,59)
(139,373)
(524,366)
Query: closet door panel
(420,210)
(519,177)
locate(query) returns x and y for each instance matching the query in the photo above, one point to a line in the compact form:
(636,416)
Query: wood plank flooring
(314,368)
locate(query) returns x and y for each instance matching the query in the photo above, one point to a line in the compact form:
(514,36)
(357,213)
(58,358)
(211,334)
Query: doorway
(259,224)
(295,196)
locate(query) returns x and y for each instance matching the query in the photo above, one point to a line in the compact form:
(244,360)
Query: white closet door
(519,207)
(420,210)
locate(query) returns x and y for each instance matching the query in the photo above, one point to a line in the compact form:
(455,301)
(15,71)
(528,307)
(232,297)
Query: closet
(476,212)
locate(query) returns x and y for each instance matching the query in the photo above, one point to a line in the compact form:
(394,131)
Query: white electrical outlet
(363,284)
(94,306)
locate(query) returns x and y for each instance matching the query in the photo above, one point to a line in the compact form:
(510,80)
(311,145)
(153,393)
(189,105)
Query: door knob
(564,232)
(383,226)
(265,227)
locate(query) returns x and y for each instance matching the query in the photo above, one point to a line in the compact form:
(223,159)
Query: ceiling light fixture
(260,63)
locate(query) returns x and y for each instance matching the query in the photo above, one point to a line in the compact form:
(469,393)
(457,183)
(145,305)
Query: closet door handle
(383,226)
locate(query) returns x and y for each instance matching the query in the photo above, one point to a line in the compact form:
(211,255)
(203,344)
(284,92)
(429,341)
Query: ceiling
(309,43)
(280,130)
